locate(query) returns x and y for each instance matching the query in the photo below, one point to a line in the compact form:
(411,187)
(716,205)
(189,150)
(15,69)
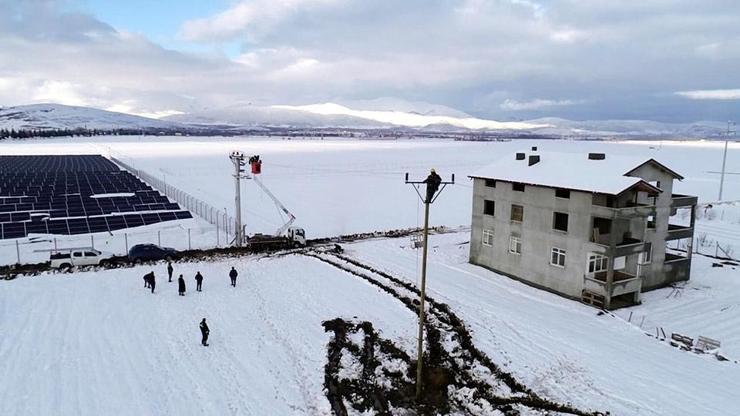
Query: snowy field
(346,186)
(94,343)
(97,343)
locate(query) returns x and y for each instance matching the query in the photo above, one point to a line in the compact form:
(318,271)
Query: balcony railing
(623,212)
(624,248)
(623,283)
(683,200)
(677,232)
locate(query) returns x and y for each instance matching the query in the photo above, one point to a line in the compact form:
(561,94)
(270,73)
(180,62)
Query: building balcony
(626,247)
(679,200)
(635,211)
(678,232)
(623,283)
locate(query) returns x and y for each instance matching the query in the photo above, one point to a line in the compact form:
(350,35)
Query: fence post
(18,251)
(189,246)
(55,243)
(159,237)
(125,239)
(715,249)
(92,241)
(218,241)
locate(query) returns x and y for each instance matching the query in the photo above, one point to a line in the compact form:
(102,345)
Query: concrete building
(593,227)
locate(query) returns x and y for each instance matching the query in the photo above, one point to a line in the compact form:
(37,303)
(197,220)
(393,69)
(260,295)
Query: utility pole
(730,125)
(433,182)
(237,158)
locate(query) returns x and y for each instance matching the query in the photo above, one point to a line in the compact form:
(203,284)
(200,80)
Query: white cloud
(536,104)
(61,92)
(727,94)
(244,17)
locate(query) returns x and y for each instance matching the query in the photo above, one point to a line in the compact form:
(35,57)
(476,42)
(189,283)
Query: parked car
(148,252)
(67,258)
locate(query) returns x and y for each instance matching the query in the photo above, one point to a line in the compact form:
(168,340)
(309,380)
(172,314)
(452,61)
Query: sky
(664,60)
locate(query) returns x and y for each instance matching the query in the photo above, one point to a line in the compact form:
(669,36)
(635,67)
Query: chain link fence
(224,223)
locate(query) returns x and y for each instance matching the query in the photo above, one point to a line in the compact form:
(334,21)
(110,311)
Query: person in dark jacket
(233,274)
(149,281)
(204,331)
(198,281)
(433,181)
(152,282)
(169,270)
(181,286)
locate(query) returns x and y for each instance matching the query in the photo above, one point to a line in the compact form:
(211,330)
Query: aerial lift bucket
(256,167)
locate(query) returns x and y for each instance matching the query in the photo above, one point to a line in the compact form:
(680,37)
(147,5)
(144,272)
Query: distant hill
(384,113)
(58,116)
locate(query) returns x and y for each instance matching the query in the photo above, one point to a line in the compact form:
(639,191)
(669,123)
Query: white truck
(78,256)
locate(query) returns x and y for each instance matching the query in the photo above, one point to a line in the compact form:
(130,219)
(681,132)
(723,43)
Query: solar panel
(63,186)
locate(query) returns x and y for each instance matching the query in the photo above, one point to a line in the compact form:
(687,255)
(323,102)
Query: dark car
(147,252)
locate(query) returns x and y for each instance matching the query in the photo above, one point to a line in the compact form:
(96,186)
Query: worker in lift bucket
(433,181)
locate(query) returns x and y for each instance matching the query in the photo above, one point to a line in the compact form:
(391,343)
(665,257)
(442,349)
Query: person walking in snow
(204,331)
(152,282)
(233,274)
(148,279)
(169,270)
(181,286)
(198,281)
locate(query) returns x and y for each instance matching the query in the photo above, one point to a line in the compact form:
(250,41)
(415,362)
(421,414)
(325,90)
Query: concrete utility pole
(730,131)
(433,182)
(237,158)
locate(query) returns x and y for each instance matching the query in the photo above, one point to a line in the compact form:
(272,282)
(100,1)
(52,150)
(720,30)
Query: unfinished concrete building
(593,227)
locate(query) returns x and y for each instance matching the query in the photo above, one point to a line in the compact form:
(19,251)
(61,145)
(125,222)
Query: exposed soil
(458,377)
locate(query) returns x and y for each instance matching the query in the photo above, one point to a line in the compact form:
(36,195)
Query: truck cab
(67,258)
(297,236)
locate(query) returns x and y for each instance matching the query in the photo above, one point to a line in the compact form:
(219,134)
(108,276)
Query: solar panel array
(77,194)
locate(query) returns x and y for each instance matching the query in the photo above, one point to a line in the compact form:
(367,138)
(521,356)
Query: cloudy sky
(667,60)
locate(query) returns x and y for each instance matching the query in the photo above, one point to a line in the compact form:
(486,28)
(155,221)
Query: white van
(66,258)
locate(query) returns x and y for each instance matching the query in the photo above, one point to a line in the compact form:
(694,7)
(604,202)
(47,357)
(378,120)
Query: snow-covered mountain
(638,128)
(248,115)
(368,114)
(58,116)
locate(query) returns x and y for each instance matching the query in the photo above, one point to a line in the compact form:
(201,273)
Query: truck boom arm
(279,204)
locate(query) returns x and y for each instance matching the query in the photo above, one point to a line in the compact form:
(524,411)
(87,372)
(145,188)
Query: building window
(491,183)
(560,221)
(562,193)
(557,257)
(647,255)
(651,222)
(519,187)
(597,263)
(517,213)
(515,245)
(487,238)
(489,207)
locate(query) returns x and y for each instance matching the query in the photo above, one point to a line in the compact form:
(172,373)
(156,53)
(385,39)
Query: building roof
(573,171)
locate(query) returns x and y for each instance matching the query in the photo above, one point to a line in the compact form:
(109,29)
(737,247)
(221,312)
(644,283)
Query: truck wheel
(65,267)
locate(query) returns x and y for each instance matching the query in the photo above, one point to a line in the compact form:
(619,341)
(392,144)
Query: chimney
(520,156)
(596,156)
(533,159)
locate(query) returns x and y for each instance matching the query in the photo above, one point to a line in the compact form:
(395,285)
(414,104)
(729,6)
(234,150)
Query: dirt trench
(458,378)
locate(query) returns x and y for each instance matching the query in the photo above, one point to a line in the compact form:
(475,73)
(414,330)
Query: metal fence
(224,223)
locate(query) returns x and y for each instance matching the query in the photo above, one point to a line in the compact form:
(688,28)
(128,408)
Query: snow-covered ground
(345,186)
(99,343)
(567,351)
